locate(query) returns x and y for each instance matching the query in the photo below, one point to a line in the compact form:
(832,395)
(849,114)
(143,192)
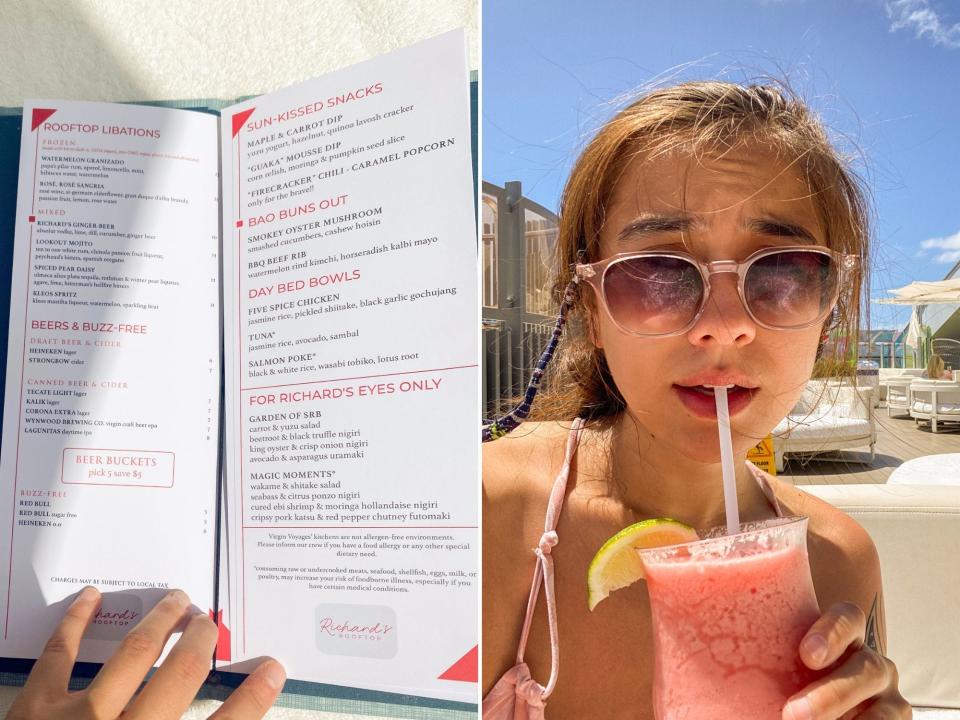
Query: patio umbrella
(935,292)
(914,329)
(919,337)
(925,293)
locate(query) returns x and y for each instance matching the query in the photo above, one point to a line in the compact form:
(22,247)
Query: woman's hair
(694,119)
(935,367)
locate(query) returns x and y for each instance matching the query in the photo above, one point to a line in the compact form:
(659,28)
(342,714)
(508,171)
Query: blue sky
(884,74)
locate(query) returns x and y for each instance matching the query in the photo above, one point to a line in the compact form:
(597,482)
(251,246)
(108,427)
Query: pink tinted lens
(653,294)
(792,288)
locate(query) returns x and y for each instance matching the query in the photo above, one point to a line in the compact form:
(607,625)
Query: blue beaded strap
(503,425)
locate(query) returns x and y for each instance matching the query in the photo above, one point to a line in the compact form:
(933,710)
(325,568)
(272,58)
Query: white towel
(182,49)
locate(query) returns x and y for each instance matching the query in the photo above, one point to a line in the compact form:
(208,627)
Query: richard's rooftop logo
(120,617)
(117,614)
(357,630)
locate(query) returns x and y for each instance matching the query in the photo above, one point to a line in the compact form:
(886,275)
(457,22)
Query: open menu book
(322,238)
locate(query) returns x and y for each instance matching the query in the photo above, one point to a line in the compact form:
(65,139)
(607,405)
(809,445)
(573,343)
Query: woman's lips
(704,405)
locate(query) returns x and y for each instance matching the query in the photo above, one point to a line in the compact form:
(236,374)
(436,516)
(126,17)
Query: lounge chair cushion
(916,529)
(942,408)
(827,428)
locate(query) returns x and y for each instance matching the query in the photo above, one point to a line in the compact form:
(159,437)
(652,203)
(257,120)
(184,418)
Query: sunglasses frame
(594,274)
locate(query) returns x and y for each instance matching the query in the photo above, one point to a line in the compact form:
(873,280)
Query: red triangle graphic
(223,637)
(39,115)
(239,119)
(465,669)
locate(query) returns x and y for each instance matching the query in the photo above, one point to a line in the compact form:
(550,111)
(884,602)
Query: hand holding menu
(326,234)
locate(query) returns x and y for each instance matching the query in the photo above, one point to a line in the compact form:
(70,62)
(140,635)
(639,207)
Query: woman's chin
(698,439)
(705,448)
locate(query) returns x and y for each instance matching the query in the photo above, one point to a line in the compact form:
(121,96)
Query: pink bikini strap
(765,487)
(544,567)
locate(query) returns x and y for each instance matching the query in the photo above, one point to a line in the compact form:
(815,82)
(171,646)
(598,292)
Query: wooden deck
(898,439)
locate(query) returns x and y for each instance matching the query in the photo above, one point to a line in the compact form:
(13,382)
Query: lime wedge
(617,565)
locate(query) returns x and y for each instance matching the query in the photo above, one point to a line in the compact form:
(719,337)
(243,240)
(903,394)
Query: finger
(51,672)
(887,709)
(856,711)
(122,674)
(864,675)
(255,695)
(176,681)
(842,626)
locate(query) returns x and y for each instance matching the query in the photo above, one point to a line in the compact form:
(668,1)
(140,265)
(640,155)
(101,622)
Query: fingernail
(798,709)
(274,675)
(816,647)
(179,597)
(88,593)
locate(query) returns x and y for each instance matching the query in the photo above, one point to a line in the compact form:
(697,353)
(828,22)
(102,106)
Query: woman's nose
(724,319)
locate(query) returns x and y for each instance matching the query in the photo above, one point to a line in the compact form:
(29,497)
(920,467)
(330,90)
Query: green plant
(830,367)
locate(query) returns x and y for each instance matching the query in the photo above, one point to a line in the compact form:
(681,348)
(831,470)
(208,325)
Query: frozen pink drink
(728,616)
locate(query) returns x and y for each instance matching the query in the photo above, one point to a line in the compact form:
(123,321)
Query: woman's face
(715,208)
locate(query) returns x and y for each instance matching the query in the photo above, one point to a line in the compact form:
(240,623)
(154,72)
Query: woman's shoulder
(843,557)
(521,466)
(827,522)
(518,473)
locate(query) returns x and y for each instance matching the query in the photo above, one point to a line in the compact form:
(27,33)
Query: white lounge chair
(888,374)
(935,401)
(898,395)
(829,416)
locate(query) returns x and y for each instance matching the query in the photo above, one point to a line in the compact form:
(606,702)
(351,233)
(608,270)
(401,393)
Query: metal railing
(519,238)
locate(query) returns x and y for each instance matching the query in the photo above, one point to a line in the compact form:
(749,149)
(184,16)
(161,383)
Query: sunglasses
(656,294)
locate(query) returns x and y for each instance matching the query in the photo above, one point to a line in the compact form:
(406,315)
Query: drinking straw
(726,459)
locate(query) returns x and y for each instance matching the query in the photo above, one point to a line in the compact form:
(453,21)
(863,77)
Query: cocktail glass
(729,612)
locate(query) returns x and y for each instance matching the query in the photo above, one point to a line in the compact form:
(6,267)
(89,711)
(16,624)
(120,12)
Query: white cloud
(950,245)
(918,16)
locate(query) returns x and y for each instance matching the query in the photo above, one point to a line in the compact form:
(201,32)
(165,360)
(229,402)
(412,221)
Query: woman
(693,174)
(936,369)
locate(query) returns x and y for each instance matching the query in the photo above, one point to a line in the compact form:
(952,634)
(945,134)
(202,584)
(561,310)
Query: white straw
(726,461)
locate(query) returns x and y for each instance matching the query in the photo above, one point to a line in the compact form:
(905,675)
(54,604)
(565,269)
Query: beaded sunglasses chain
(505,424)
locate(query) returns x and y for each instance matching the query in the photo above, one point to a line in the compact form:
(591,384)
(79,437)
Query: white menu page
(351,339)
(109,450)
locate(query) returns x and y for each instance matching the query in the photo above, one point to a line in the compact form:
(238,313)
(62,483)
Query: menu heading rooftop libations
(90,129)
